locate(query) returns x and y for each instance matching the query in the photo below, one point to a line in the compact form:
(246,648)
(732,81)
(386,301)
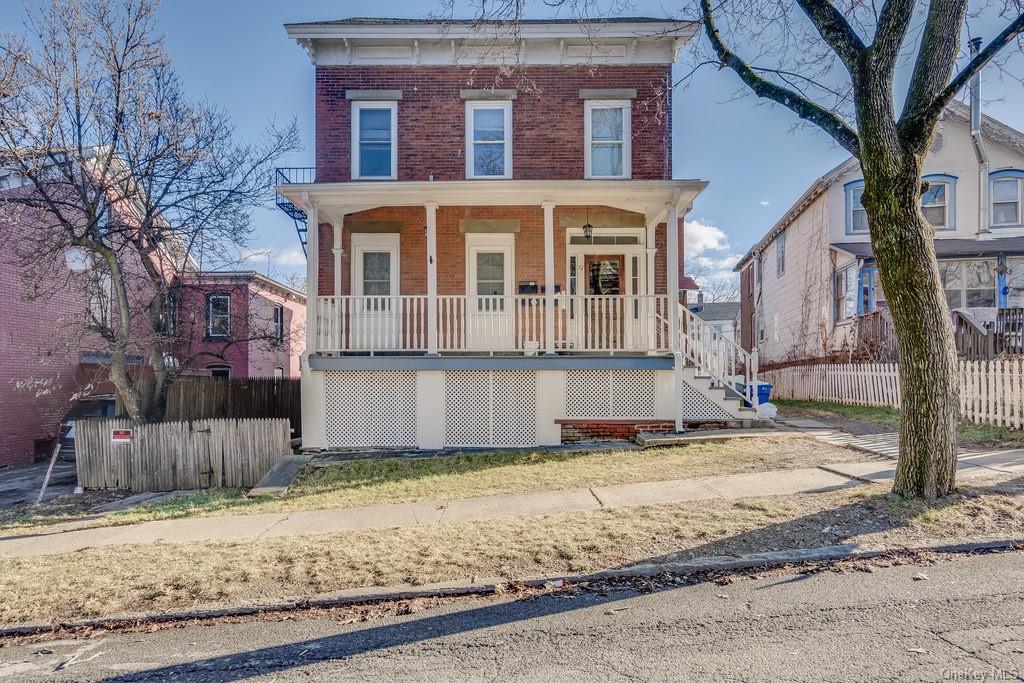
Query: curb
(362,596)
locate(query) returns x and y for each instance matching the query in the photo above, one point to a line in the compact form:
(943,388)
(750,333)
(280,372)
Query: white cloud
(764,202)
(701,236)
(287,257)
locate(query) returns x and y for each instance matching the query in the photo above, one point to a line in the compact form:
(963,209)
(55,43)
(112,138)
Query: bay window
(607,131)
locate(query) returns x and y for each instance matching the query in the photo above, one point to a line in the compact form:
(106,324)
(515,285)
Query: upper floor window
(374,140)
(489,139)
(607,130)
(780,254)
(1006,187)
(856,216)
(218,316)
(278,323)
(938,203)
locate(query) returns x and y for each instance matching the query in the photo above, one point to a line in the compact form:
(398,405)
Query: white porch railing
(712,352)
(492,324)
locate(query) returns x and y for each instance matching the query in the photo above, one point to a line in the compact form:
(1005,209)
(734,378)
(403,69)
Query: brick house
(50,365)
(487,237)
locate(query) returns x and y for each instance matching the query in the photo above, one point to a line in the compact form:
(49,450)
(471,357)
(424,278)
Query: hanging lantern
(588,231)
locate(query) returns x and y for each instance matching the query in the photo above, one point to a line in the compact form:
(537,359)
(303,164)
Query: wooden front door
(603,315)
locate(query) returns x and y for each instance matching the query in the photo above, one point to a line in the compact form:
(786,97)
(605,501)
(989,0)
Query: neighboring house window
(938,204)
(844,293)
(760,325)
(780,254)
(218,316)
(607,131)
(171,313)
(279,372)
(278,323)
(856,216)
(374,140)
(1006,186)
(489,139)
(222,371)
(970,284)
(1015,281)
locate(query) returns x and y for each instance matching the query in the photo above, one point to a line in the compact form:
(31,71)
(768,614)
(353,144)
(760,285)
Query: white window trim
(488,242)
(627,135)
(278,322)
(357,106)
(1020,201)
(209,316)
(506,107)
(369,241)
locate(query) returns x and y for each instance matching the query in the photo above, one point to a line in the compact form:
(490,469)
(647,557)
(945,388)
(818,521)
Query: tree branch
(923,112)
(828,121)
(834,30)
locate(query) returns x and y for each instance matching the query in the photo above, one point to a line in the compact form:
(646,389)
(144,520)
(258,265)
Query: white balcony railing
(492,324)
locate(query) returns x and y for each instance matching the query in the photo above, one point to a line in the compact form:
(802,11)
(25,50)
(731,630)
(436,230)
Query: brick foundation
(575,431)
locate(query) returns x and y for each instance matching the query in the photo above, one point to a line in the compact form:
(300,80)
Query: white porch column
(339,225)
(549,278)
(312,271)
(652,312)
(672,272)
(431,208)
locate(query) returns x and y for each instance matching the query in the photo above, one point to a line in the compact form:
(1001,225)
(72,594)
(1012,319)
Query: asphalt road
(960,619)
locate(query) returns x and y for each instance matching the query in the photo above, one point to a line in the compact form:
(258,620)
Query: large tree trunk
(903,244)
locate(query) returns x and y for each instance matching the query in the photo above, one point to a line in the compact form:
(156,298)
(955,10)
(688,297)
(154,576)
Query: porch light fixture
(588,229)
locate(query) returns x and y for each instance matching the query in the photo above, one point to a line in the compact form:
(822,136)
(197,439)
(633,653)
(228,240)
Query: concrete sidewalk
(67,538)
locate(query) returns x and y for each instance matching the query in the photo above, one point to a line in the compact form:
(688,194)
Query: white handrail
(722,359)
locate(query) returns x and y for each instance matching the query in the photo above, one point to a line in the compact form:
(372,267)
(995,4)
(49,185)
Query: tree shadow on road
(872,513)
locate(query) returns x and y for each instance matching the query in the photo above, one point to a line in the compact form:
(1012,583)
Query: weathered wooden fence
(205,398)
(992,392)
(170,456)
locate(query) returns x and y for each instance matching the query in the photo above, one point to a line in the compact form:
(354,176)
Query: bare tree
(834,65)
(715,288)
(122,168)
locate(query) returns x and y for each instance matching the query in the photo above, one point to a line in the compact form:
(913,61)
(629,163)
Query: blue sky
(235,53)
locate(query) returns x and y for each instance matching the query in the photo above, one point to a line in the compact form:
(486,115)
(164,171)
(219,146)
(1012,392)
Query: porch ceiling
(649,197)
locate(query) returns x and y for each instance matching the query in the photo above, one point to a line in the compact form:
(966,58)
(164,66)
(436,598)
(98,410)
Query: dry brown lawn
(163,576)
(394,480)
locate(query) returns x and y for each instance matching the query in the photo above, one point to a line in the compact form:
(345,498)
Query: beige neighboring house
(809,281)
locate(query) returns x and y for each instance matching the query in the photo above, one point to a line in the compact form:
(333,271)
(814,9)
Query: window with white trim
(219,370)
(1006,200)
(780,254)
(856,216)
(489,139)
(844,294)
(935,204)
(218,316)
(970,284)
(607,134)
(278,323)
(374,140)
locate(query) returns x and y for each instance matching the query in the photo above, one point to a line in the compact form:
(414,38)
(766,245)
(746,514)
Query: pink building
(240,324)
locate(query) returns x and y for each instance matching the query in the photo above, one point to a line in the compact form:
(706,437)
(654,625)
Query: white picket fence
(992,392)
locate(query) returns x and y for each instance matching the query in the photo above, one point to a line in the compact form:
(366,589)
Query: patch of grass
(983,435)
(168,576)
(406,480)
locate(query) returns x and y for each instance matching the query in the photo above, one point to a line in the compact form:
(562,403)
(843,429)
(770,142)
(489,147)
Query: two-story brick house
(494,237)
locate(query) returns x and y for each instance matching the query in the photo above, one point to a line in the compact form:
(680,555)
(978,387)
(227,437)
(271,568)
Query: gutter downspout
(980,152)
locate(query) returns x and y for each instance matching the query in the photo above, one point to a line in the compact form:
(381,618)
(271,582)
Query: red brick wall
(574,431)
(451,247)
(547,118)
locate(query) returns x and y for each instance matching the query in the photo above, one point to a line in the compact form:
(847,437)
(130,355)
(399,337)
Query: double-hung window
(607,129)
(856,216)
(489,139)
(934,205)
(780,254)
(278,323)
(218,316)
(1006,198)
(374,140)
(844,294)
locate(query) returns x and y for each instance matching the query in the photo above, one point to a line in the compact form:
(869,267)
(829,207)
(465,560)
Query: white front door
(490,314)
(374,314)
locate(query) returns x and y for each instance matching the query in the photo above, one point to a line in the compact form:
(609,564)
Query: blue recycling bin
(763,392)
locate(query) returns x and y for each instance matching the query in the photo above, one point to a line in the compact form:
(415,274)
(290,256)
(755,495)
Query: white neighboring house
(806,283)
(720,315)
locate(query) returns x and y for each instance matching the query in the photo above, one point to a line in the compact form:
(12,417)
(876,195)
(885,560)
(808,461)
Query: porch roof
(649,197)
(948,248)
